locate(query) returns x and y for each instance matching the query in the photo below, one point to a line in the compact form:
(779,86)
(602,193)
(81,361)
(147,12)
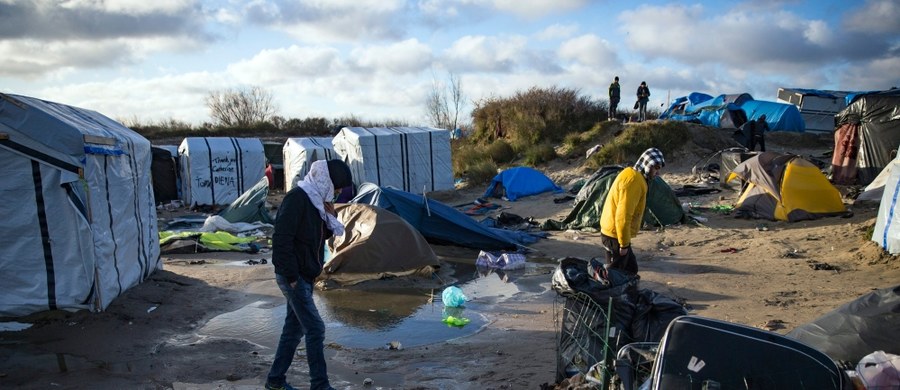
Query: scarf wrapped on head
(317,184)
(651,157)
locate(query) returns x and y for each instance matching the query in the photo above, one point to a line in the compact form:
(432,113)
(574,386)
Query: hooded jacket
(623,210)
(624,207)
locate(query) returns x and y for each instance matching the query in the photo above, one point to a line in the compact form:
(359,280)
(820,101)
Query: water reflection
(374,318)
(371,310)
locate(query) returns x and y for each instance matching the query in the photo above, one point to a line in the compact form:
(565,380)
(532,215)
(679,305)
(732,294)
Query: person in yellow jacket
(623,210)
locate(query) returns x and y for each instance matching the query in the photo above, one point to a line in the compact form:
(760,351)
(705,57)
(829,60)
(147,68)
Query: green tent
(663,207)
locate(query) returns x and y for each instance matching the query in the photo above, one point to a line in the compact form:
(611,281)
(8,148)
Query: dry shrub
(535,115)
(472,162)
(481,171)
(500,151)
(539,154)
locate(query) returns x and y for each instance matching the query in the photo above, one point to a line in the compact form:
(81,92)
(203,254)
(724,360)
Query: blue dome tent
(518,182)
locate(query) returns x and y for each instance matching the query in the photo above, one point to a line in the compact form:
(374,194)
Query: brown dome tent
(377,243)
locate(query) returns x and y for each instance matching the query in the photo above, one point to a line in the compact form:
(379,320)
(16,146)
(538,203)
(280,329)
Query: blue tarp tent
(779,116)
(436,221)
(684,104)
(723,111)
(517,182)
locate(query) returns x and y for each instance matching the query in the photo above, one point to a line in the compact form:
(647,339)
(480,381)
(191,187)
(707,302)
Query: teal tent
(250,206)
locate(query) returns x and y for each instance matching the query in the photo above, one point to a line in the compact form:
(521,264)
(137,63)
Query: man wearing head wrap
(623,210)
(306,218)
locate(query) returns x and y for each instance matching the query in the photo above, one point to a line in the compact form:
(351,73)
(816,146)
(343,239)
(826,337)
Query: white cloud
(131,7)
(99,20)
(485,54)
(34,59)
(147,100)
(666,30)
(879,74)
(766,41)
(536,8)
(557,31)
(277,66)
(409,56)
(589,50)
(321,21)
(876,16)
(817,32)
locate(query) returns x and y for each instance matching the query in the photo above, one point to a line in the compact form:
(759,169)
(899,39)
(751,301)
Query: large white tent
(412,159)
(217,170)
(887,224)
(300,153)
(79,218)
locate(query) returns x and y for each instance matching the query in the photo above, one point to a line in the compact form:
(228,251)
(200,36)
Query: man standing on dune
(614,97)
(623,210)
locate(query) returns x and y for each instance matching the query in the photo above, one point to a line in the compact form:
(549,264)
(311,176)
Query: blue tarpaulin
(779,116)
(436,221)
(720,111)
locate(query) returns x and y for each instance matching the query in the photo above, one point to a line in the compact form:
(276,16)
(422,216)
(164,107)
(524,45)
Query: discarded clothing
(505,261)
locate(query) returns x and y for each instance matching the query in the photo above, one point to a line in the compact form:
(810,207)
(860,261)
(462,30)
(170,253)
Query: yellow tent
(785,187)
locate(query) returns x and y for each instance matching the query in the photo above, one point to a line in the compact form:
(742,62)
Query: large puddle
(374,319)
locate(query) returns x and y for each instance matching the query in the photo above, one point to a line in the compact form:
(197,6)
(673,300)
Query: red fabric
(846,149)
(270,175)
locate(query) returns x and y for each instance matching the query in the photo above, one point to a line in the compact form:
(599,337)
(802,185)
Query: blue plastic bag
(453,297)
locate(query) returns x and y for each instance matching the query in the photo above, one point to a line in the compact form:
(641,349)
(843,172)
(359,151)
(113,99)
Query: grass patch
(636,138)
(577,143)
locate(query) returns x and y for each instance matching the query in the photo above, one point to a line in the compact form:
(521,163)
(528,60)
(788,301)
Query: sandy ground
(753,272)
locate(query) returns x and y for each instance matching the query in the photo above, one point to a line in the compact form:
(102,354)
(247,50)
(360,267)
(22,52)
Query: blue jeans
(302,319)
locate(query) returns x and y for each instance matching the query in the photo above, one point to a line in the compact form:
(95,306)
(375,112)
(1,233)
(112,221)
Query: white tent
(875,190)
(216,170)
(300,153)
(887,224)
(412,159)
(79,217)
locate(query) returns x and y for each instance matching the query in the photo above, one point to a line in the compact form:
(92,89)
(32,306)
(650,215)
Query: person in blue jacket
(306,218)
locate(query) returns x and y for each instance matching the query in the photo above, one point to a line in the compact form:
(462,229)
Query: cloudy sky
(148,61)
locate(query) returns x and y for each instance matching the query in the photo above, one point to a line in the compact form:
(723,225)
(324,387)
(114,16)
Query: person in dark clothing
(306,218)
(615,95)
(755,131)
(643,96)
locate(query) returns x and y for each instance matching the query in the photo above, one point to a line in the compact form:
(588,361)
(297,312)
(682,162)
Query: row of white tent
(216,170)
(80,223)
